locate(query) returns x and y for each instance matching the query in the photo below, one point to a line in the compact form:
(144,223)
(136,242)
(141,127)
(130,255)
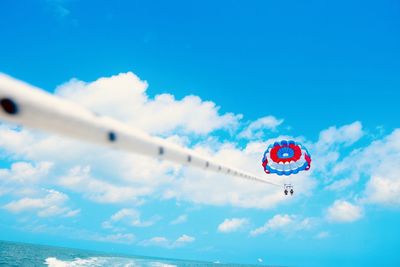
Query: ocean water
(21,254)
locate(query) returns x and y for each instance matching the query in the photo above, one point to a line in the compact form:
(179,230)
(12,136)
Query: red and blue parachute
(286,158)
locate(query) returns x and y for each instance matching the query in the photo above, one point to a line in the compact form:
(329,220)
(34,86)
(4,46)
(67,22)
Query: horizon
(100,251)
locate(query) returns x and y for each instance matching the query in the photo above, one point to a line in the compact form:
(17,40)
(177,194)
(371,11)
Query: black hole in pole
(112,137)
(160,150)
(9,106)
(189,158)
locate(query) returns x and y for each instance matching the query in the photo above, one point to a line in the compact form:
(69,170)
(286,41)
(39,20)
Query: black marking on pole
(9,106)
(160,150)
(229,170)
(219,168)
(207,164)
(189,158)
(112,137)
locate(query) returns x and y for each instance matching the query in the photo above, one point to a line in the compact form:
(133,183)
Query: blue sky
(322,73)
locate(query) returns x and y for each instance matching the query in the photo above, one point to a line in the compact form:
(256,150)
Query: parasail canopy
(286,158)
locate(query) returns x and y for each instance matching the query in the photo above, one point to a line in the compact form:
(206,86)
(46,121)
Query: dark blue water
(20,254)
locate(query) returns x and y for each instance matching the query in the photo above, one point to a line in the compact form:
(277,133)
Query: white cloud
(185,239)
(257,128)
(383,190)
(160,115)
(128,217)
(323,235)
(72,213)
(343,211)
(52,204)
(25,172)
(79,179)
(347,135)
(106,176)
(283,222)
(218,189)
(381,161)
(24,178)
(278,221)
(52,198)
(120,238)
(79,234)
(161,241)
(326,151)
(232,225)
(180,219)
(376,163)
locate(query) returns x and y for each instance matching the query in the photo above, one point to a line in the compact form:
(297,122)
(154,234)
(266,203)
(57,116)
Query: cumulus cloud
(332,139)
(23,181)
(257,128)
(23,178)
(383,190)
(232,225)
(72,213)
(381,159)
(276,222)
(283,222)
(25,172)
(184,239)
(342,211)
(323,235)
(79,234)
(52,204)
(121,238)
(347,135)
(377,163)
(216,189)
(80,180)
(159,115)
(105,176)
(180,219)
(161,241)
(328,151)
(128,217)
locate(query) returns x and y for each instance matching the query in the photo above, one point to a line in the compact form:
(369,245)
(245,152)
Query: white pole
(29,106)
